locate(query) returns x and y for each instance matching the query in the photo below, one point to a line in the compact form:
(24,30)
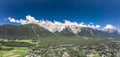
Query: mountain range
(38,31)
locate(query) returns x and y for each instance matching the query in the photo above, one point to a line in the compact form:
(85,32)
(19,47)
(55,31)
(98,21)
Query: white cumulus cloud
(31,19)
(54,26)
(110,28)
(13,20)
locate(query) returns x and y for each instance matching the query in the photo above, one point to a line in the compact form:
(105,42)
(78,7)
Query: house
(65,54)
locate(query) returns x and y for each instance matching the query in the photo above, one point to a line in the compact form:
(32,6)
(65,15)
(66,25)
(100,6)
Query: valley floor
(60,47)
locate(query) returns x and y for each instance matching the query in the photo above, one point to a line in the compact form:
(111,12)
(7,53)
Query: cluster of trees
(15,44)
(10,48)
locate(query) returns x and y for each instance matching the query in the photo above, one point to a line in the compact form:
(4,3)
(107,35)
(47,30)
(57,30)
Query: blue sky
(100,12)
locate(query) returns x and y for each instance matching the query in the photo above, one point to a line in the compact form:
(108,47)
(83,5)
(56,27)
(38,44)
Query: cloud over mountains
(59,26)
(109,28)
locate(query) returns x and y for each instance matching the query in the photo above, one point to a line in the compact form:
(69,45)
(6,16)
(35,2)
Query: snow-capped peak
(54,26)
(109,28)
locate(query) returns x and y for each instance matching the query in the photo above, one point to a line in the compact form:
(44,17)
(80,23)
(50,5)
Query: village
(71,50)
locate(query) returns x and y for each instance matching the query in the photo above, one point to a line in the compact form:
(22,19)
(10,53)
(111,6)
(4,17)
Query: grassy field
(16,52)
(27,41)
(9,50)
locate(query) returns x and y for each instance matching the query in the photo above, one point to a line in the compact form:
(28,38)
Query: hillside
(34,31)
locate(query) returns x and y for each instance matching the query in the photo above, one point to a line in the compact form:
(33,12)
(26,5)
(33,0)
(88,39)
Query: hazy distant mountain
(35,31)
